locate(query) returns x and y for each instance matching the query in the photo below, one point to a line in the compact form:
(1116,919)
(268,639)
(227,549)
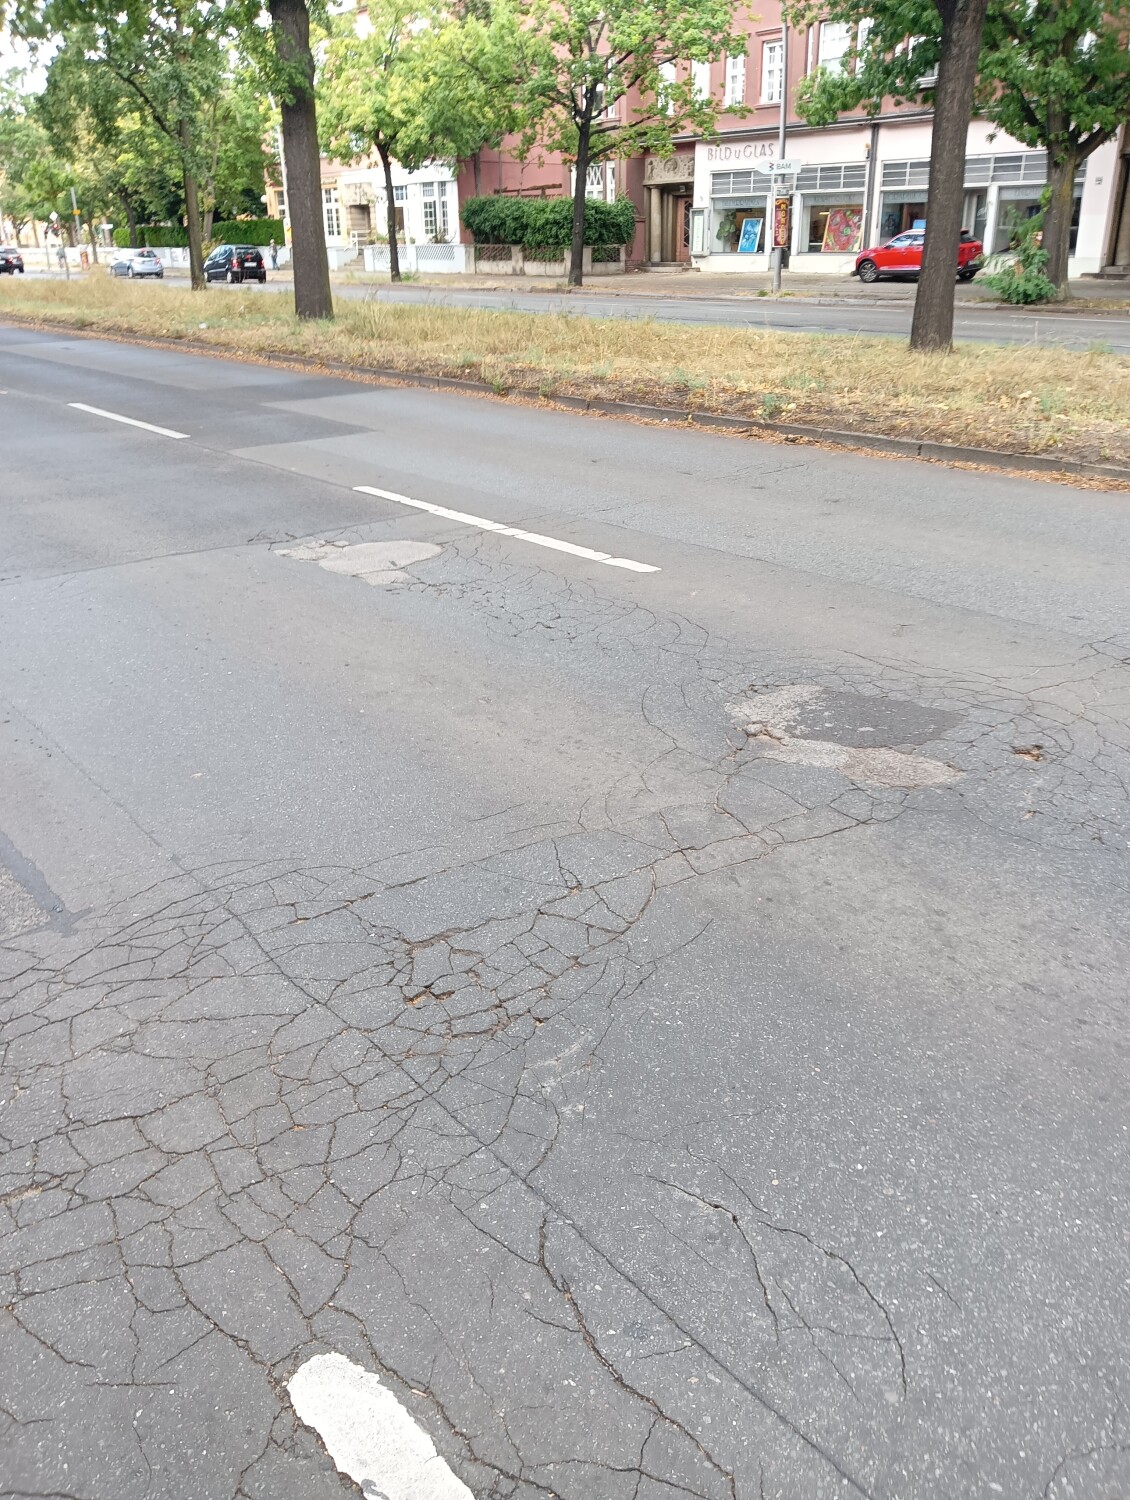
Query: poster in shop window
(782,217)
(751,236)
(843,229)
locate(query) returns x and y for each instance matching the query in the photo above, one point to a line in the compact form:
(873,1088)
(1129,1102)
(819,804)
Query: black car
(235,263)
(11,260)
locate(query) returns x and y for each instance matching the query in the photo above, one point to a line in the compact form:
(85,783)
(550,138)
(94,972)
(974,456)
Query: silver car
(133,263)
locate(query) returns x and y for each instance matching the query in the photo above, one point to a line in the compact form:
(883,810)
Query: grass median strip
(1014,398)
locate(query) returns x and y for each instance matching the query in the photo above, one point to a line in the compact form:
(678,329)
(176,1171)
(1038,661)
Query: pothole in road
(372,562)
(869,740)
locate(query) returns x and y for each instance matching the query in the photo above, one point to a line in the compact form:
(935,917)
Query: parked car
(902,256)
(235,263)
(134,263)
(11,260)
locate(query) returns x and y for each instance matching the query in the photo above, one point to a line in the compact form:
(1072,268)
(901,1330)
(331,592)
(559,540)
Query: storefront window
(836,228)
(731,233)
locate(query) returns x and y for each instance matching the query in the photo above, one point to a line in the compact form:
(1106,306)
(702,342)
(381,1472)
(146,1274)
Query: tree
(283,59)
(610,78)
(122,162)
(361,103)
(416,86)
(1058,76)
(914,49)
(459,86)
(24,154)
(169,55)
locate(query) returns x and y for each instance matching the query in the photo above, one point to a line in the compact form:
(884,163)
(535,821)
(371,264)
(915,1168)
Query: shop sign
(677,168)
(782,223)
(743,151)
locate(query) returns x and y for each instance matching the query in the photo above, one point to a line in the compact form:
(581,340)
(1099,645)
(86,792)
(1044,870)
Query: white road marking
(369,1435)
(515,531)
(129,421)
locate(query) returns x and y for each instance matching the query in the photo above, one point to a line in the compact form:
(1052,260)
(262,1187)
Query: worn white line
(369,1435)
(114,416)
(515,531)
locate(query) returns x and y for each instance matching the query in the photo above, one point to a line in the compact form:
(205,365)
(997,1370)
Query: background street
(624,933)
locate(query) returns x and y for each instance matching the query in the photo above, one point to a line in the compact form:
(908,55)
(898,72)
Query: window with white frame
(835,40)
(735,81)
(331,213)
(772,74)
(700,79)
(400,193)
(667,75)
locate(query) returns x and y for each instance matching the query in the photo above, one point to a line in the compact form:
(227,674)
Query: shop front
(829,209)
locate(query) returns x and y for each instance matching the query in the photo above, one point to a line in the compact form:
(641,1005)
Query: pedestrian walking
(274,256)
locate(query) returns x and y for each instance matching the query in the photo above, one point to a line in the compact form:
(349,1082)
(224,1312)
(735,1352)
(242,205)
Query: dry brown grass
(1014,398)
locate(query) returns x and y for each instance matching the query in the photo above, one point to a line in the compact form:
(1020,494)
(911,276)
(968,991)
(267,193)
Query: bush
(1017,275)
(547,223)
(156,236)
(248,232)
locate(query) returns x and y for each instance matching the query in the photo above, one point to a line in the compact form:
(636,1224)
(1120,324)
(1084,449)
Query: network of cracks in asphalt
(260,1112)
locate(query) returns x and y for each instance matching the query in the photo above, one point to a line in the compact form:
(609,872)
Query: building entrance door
(683,228)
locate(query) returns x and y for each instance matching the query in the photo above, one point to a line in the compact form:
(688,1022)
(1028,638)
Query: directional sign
(786,168)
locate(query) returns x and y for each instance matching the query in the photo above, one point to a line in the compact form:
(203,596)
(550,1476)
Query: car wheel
(129,272)
(868,271)
(231,278)
(966,273)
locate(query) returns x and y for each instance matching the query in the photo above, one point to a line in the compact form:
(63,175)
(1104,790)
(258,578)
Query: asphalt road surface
(603,950)
(850,314)
(988,326)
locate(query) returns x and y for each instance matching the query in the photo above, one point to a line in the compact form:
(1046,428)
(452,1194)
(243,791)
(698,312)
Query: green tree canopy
(611,78)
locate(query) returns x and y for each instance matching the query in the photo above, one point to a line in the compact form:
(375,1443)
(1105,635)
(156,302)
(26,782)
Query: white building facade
(355,214)
(859,183)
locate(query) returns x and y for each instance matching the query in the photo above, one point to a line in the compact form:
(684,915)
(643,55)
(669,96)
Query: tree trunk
(393,250)
(290,22)
(963,21)
(209,220)
(131,220)
(93,240)
(1057,218)
(477,163)
(584,137)
(195,247)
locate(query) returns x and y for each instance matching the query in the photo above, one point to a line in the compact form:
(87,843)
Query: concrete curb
(830,437)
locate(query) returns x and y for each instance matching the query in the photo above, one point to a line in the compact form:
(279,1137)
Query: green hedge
(154,235)
(248,232)
(547,223)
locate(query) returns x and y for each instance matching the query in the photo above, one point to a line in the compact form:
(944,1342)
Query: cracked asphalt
(670,1026)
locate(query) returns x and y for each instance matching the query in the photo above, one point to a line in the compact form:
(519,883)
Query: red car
(902,256)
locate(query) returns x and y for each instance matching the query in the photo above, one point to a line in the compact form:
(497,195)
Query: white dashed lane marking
(113,416)
(499,529)
(369,1435)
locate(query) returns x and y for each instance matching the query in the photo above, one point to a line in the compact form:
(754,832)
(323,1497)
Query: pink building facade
(712,204)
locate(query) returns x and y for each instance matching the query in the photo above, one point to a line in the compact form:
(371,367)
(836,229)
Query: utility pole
(778,251)
(77,217)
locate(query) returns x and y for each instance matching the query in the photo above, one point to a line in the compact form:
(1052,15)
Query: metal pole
(778,253)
